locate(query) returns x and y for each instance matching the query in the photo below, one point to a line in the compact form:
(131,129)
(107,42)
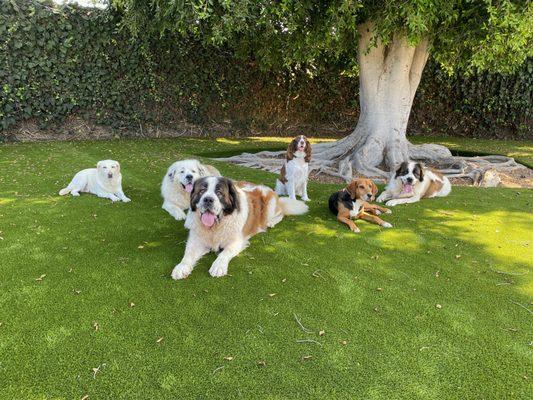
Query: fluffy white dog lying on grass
(178,183)
(104,181)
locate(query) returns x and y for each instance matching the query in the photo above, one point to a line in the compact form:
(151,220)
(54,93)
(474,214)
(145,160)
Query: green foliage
(472,34)
(56,62)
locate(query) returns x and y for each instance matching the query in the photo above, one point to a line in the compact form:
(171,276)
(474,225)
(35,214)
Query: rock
(490,178)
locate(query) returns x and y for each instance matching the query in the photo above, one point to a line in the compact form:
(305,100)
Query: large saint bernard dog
(224,215)
(177,185)
(412,182)
(294,174)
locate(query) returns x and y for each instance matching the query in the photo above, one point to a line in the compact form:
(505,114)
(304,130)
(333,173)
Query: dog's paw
(180,215)
(306,199)
(378,212)
(126,199)
(218,269)
(392,203)
(381,198)
(386,225)
(180,271)
(387,211)
(356,230)
(113,198)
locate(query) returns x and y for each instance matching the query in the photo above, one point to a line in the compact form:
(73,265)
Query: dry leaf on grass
(306,358)
(262,363)
(160,339)
(228,358)
(438,306)
(132,304)
(321,333)
(271,294)
(96,326)
(85,397)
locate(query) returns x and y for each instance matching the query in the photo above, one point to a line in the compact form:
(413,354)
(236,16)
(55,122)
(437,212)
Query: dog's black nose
(369,195)
(410,180)
(109,175)
(208,201)
(188,177)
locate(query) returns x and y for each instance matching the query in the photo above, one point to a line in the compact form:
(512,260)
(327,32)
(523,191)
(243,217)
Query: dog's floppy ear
(352,188)
(231,201)
(118,166)
(196,193)
(374,188)
(307,150)
(291,149)
(171,172)
(418,171)
(402,169)
(202,169)
(99,164)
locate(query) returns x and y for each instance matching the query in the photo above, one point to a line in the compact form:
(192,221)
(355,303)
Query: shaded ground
(439,307)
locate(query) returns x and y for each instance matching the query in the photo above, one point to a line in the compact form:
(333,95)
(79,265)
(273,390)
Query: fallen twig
(218,369)
(308,341)
(523,306)
(303,328)
(507,273)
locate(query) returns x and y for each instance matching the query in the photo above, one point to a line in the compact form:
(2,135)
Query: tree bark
(388,77)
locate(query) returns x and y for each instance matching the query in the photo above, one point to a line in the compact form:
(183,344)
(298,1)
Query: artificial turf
(439,307)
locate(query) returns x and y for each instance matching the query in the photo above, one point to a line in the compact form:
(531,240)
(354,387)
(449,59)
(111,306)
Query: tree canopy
(493,35)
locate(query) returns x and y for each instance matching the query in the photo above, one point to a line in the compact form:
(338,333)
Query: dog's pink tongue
(407,188)
(188,187)
(208,219)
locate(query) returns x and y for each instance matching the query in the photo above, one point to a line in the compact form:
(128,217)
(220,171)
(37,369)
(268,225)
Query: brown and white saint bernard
(224,215)
(412,182)
(292,179)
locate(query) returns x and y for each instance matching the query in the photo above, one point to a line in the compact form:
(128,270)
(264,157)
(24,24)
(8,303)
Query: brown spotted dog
(352,203)
(292,179)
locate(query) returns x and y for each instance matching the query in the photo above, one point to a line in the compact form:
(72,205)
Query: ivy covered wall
(58,62)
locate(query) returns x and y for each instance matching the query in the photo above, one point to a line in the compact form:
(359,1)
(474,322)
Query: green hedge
(56,62)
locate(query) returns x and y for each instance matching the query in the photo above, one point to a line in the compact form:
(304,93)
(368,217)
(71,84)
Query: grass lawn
(439,307)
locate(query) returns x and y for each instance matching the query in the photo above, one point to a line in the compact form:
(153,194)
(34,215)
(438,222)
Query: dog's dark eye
(193,171)
(361,187)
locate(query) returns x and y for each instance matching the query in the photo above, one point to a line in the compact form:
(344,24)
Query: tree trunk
(388,76)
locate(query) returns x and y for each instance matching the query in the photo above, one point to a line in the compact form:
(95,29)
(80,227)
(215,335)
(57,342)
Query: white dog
(412,182)
(104,181)
(224,215)
(293,176)
(178,183)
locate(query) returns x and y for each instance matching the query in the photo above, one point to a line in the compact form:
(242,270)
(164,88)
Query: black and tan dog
(352,203)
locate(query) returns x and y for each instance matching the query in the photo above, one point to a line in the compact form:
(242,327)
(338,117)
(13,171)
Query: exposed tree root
(334,160)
